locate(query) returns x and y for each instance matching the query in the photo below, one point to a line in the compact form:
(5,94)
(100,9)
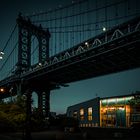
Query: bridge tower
(26,30)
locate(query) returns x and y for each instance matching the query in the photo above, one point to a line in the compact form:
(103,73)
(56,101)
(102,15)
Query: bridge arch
(34,50)
(27,33)
(35,99)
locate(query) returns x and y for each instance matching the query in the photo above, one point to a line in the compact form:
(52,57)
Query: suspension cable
(9,38)
(92,23)
(56,9)
(81,13)
(8,56)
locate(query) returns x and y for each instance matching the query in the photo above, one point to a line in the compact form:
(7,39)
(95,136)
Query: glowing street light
(87,44)
(104,29)
(40,64)
(1,55)
(1,89)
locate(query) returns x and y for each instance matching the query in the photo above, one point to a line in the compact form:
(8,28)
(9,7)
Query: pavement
(46,135)
(57,135)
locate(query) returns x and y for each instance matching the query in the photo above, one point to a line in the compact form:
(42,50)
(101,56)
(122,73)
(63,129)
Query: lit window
(90,113)
(90,118)
(75,114)
(89,125)
(81,111)
(82,114)
(96,124)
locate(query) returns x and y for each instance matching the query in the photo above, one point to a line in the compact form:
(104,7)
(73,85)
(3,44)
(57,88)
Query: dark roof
(85,102)
(119,96)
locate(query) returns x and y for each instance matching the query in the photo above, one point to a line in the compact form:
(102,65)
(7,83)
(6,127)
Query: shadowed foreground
(84,134)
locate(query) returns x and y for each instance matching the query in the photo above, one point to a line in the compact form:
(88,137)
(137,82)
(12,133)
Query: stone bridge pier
(43,92)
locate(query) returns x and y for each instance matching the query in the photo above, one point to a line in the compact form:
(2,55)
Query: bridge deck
(96,57)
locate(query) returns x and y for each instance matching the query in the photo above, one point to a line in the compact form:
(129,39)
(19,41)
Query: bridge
(43,58)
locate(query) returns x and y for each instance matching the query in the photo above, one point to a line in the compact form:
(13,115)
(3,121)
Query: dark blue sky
(109,85)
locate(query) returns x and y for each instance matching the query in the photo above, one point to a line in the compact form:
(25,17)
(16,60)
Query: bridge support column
(46,103)
(40,102)
(28,115)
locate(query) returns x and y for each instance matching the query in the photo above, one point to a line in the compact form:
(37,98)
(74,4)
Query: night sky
(109,85)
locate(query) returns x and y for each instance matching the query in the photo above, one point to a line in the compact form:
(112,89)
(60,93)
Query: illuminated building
(86,112)
(117,111)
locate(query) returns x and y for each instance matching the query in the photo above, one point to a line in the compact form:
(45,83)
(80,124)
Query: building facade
(117,111)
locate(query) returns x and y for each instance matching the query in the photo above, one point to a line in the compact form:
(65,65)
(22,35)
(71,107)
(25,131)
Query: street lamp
(2,53)
(104,29)
(39,64)
(2,90)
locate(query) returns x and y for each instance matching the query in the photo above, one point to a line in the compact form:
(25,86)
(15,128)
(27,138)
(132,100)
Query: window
(81,114)
(81,125)
(90,113)
(89,124)
(75,114)
(86,124)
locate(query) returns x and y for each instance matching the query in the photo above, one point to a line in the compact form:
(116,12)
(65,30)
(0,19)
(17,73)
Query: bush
(5,124)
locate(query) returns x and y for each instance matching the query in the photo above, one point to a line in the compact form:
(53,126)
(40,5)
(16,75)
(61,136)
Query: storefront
(115,111)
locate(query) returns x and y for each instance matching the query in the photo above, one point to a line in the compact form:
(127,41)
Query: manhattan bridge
(78,41)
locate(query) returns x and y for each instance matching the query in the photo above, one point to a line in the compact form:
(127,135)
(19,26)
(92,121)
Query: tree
(135,110)
(12,114)
(136,100)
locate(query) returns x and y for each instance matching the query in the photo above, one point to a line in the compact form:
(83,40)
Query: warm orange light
(1,89)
